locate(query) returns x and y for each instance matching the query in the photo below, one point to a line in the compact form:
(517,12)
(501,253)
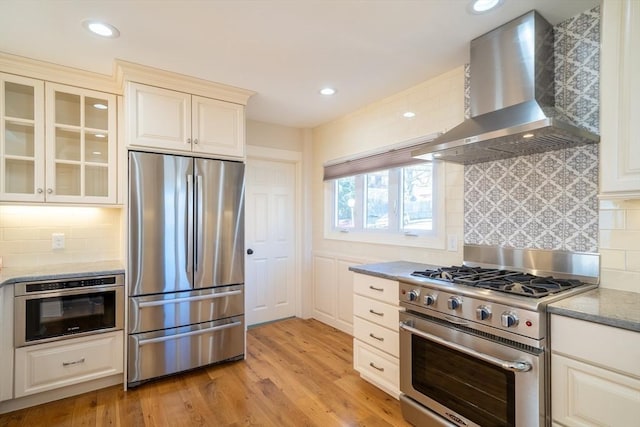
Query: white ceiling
(285,50)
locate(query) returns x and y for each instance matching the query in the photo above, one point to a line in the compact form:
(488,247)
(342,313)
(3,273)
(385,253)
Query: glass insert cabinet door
(22,150)
(81,145)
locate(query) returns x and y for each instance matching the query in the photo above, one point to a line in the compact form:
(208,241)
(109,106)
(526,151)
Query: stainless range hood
(512,99)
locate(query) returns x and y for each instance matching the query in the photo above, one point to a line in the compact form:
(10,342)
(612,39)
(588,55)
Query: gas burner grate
(513,282)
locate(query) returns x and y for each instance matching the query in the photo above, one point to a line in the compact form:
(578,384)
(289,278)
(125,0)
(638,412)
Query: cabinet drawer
(377,367)
(377,312)
(377,336)
(375,287)
(598,344)
(62,363)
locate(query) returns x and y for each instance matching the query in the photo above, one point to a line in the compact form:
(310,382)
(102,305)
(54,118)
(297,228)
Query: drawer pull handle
(373,365)
(372,311)
(77,362)
(376,338)
(376,289)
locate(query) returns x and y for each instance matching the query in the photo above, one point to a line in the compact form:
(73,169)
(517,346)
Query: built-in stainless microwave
(57,309)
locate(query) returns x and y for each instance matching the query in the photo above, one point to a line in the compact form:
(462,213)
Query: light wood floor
(296,373)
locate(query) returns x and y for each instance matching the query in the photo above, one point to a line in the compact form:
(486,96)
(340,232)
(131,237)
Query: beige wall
(91,234)
(274,136)
(439,105)
(620,244)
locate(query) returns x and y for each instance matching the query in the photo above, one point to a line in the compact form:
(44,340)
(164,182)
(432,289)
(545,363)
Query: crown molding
(51,72)
(131,72)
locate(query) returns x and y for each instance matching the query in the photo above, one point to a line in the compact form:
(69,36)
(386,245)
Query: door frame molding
(255,152)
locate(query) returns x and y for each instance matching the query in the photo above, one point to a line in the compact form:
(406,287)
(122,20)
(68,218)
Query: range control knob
(413,295)
(454,302)
(483,312)
(430,299)
(509,319)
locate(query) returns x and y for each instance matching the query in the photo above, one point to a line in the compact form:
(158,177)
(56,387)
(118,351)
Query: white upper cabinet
(58,143)
(81,145)
(620,99)
(21,139)
(170,120)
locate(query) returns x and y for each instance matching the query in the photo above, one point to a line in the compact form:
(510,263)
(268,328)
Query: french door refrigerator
(186,264)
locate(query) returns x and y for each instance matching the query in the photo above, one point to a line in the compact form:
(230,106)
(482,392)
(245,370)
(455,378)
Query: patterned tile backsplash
(547,200)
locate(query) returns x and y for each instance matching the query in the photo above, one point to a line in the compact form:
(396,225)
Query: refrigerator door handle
(188,334)
(189,224)
(188,299)
(199,219)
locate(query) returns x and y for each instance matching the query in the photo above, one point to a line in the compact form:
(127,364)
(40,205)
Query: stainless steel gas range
(474,338)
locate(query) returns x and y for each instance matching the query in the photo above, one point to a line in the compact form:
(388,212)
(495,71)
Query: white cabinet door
(217,127)
(158,118)
(6,342)
(586,395)
(22,139)
(81,145)
(169,120)
(620,98)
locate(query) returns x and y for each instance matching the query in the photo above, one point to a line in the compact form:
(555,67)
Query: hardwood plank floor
(296,373)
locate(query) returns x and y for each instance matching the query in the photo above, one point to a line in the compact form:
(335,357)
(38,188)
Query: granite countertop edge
(610,307)
(393,270)
(10,276)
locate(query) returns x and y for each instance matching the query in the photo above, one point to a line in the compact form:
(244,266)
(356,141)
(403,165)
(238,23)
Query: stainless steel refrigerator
(186,264)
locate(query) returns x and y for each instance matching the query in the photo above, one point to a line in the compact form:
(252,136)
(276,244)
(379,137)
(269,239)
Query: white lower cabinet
(376,332)
(48,366)
(595,374)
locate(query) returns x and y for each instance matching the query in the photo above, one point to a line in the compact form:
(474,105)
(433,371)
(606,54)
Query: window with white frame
(386,197)
(397,200)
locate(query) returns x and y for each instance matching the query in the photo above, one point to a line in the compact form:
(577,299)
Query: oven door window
(69,314)
(477,390)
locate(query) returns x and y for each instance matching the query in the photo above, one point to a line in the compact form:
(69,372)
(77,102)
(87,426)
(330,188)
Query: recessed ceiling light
(101,28)
(484,6)
(327,91)
(100,106)
(408,114)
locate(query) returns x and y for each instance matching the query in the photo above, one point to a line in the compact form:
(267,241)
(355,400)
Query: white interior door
(270,241)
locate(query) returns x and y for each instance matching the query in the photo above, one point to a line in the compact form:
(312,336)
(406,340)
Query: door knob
(249,251)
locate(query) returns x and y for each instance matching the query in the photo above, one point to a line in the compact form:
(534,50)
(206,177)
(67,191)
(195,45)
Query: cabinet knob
(195,141)
(188,140)
(40,190)
(49,191)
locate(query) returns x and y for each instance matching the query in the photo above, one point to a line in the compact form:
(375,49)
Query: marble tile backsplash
(547,200)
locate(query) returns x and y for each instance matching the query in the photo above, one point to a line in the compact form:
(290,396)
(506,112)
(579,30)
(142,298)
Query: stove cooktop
(512,282)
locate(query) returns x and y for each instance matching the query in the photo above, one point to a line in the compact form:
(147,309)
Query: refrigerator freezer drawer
(159,353)
(164,311)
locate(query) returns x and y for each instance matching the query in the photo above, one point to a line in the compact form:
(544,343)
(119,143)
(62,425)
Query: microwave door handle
(506,365)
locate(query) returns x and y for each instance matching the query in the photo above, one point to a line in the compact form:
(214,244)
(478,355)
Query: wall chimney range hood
(512,99)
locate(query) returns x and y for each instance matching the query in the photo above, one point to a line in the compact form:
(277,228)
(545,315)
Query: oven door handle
(509,366)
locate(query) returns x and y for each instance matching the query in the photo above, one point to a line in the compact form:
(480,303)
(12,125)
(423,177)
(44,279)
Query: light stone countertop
(611,307)
(394,270)
(13,275)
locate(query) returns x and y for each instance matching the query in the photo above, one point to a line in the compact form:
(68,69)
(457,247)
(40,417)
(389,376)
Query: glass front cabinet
(58,143)
(21,139)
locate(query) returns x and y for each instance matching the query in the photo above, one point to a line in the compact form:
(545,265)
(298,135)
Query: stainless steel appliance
(186,264)
(473,339)
(512,99)
(51,310)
